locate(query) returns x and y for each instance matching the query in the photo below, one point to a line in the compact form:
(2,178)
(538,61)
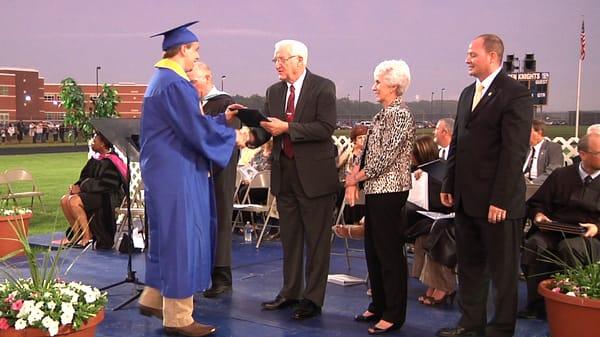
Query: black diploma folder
(562,227)
(251,117)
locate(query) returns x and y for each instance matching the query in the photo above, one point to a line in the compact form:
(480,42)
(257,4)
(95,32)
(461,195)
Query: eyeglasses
(281,60)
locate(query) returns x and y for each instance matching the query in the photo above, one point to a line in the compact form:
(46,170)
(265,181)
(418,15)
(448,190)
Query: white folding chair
(137,211)
(22,185)
(261,181)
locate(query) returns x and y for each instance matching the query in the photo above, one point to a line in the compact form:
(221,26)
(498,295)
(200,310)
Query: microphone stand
(131,277)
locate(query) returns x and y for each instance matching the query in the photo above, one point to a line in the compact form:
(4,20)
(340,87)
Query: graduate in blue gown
(178,146)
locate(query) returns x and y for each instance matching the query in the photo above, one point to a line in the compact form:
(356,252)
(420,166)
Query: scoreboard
(537,83)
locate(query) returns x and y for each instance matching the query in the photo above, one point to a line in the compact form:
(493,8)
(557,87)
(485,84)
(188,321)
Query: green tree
(106,103)
(73,100)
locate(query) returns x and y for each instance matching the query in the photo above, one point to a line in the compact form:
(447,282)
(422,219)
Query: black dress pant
(384,250)
(305,229)
(485,252)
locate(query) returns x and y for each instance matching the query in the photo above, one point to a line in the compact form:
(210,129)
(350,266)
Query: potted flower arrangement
(41,304)
(12,215)
(573,299)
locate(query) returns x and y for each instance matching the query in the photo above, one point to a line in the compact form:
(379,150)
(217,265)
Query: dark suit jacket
(549,158)
(489,146)
(310,133)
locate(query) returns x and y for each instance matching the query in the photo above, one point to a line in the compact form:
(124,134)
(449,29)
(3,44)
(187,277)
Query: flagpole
(577,106)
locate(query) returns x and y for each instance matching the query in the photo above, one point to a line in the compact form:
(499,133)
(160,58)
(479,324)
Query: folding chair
(348,252)
(137,211)
(4,190)
(261,181)
(272,214)
(22,185)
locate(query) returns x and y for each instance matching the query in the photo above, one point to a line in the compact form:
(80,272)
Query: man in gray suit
(302,117)
(544,156)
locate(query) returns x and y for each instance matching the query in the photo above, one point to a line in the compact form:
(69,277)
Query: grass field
(53,174)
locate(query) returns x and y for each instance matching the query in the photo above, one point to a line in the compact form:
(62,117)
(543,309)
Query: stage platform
(257,277)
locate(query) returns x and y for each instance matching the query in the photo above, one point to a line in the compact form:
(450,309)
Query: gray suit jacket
(549,158)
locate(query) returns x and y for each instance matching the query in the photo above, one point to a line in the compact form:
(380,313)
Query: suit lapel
(541,157)
(489,95)
(304,93)
(279,103)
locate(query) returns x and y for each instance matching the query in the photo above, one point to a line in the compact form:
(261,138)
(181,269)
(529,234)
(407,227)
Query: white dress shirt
(297,88)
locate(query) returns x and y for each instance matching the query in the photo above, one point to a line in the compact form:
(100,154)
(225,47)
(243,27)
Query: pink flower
(17,305)
(556,290)
(4,324)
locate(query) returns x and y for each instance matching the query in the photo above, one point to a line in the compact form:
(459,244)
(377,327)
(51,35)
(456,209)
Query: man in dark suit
(484,182)
(215,102)
(544,155)
(302,116)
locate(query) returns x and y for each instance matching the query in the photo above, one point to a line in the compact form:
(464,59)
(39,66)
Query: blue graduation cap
(177,36)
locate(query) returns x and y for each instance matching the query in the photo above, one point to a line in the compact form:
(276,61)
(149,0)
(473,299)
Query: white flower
(51,325)
(66,307)
(90,297)
(26,309)
(20,324)
(570,293)
(35,316)
(51,305)
(66,318)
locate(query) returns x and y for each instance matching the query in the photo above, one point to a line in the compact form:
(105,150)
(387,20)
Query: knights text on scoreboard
(537,83)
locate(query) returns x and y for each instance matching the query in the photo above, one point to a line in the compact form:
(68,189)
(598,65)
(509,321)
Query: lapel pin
(490,93)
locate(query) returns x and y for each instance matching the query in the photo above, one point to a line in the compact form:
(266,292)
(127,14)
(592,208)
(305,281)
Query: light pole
(442,104)
(223,77)
(359,92)
(97,70)
(431,105)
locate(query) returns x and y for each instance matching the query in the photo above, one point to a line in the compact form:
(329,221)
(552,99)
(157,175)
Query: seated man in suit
(442,135)
(572,195)
(544,155)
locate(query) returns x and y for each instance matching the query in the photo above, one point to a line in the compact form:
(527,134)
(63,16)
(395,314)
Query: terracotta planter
(6,231)
(88,329)
(570,316)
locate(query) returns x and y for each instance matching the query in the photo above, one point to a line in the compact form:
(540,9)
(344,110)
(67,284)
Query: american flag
(582,40)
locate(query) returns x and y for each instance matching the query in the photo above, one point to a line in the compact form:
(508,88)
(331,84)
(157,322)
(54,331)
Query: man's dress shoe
(458,331)
(193,330)
(306,309)
(217,290)
(279,302)
(148,311)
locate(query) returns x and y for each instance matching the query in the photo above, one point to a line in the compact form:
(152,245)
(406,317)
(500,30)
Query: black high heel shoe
(374,330)
(432,302)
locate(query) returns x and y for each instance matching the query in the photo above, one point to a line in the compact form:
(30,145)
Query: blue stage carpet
(257,277)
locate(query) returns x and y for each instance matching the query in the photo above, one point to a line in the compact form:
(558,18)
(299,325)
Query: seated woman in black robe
(89,206)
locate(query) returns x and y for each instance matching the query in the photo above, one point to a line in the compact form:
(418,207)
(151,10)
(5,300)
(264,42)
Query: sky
(346,40)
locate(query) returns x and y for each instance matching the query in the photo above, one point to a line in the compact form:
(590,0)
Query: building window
(3,117)
(3,90)
(49,98)
(55,116)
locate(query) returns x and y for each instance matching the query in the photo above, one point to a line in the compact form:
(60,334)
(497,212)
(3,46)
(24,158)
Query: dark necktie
(588,180)
(443,153)
(530,162)
(288,148)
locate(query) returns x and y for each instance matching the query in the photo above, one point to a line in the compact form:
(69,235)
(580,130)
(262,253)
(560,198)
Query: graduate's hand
(241,138)
(232,111)
(275,126)
(447,199)
(592,229)
(541,218)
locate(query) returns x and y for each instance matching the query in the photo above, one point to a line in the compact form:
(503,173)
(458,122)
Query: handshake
(241,136)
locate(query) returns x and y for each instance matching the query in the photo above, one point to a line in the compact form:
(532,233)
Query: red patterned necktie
(288,149)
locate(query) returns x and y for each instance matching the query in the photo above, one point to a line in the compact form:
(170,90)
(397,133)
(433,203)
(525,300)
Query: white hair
(296,48)
(394,72)
(594,128)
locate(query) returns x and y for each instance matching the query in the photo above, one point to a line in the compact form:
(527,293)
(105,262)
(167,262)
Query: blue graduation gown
(178,144)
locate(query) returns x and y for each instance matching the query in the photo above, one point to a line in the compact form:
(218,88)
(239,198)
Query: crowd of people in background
(36,132)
